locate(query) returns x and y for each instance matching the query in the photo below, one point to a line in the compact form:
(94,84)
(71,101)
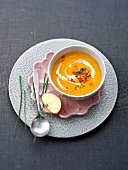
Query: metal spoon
(39,127)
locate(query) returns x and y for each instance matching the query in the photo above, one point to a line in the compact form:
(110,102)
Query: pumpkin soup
(76,73)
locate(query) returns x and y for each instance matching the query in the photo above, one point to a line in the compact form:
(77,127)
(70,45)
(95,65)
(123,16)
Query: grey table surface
(103,24)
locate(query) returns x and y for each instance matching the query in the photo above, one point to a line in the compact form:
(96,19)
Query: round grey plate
(62,128)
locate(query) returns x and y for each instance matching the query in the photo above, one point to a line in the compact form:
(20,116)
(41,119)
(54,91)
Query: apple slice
(52,102)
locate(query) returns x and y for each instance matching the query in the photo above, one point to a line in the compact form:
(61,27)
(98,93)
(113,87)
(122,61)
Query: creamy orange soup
(76,73)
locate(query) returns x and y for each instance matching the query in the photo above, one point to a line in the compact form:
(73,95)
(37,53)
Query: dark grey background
(101,23)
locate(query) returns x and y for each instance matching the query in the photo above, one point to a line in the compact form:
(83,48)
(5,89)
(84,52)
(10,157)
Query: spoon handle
(36,85)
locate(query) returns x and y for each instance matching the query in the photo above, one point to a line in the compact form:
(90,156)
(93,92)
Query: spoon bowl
(39,127)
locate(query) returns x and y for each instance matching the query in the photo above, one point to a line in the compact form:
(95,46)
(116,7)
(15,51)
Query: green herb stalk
(25,107)
(17,120)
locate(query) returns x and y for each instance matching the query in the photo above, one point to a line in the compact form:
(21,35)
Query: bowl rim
(91,48)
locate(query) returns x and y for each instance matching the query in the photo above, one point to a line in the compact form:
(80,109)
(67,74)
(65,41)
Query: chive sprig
(21,96)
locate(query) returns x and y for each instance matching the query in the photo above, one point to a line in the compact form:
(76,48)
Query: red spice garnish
(73,80)
(76,87)
(82,74)
(63,58)
(81,80)
(91,84)
(87,78)
(74,71)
